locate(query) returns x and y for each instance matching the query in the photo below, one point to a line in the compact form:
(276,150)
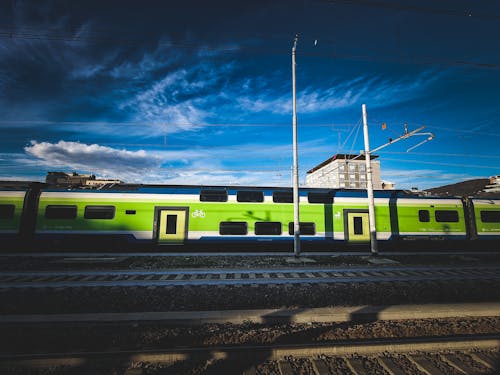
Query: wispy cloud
(423,178)
(181,98)
(377,91)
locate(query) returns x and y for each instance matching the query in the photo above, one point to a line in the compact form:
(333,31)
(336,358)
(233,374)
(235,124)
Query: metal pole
(369,186)
(296,225)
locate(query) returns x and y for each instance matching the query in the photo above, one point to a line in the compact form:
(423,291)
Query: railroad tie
(390,366)
(485,359)
(457,363)
(320,368)
(424,364)
(356,366)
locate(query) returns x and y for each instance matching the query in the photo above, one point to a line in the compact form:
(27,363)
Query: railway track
(164,278)
(444,355)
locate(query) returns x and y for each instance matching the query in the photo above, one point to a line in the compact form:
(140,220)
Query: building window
(446,216)
(306,229)
(7,211)
(423,216)
(60,212)
(490,216)
(99,212)
(342,168)
(250,196)
(268,228)
(282,197)
(233,228)
(213,196)
(324,198)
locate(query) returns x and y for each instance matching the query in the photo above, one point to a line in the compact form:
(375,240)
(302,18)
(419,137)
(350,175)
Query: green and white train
(189,215)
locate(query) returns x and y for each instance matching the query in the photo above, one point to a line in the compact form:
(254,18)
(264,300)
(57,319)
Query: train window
(250,196)
(7,211)
(282,197)
(306,229)
(490,216)
(270,228)
(130,212)
(171,224)
(99,212)
(233,227)
(325,198)
(213,196)
(423,216)
(53,211)
(358,225)
(446,216)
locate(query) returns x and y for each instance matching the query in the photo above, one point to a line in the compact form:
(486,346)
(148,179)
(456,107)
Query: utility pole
(296,221)
(369,181)
(369,187)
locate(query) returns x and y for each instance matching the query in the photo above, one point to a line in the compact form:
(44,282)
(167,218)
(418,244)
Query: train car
(486,218)
(192,215)
(431,218)
(11,210)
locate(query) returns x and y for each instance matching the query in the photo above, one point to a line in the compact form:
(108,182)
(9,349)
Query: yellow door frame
(356,225)
(171,225)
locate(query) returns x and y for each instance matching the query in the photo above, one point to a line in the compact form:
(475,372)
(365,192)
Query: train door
(356,226)
(171,225)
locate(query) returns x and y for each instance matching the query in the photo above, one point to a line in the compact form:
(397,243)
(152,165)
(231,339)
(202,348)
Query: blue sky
(193,92)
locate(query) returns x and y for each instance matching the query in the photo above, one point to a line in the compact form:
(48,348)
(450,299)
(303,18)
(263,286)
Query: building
(344,171)
(63,178)
(494,185)
(75,179)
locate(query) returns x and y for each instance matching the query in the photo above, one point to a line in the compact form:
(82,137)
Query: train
(185,216)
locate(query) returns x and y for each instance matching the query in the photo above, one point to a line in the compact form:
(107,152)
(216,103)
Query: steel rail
(260,352)
(78,279)
(209,254)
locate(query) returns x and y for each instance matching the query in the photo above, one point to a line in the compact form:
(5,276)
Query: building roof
(340,157)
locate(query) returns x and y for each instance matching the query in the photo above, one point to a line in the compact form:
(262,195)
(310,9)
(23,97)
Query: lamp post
(369,186)
(295,174)
(369,182)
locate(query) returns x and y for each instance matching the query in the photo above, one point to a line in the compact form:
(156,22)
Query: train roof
(231,189)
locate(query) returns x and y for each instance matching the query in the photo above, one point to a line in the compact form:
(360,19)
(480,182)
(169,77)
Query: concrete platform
(273,316)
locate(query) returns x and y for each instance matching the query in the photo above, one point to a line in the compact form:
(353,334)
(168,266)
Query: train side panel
(486,215)
(427,218)
(11,208)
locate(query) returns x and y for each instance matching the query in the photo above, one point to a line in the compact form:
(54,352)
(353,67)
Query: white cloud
(191,166)
(94,158)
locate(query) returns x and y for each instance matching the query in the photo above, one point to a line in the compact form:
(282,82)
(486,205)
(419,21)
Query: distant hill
(465,188)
